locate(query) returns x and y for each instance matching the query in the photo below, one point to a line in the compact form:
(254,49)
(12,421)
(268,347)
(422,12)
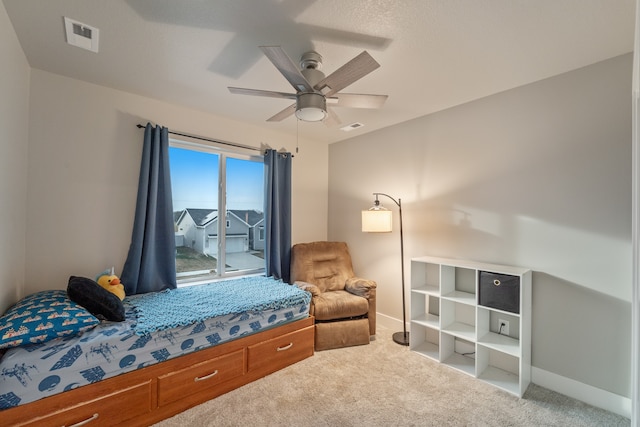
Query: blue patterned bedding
(32,372)
(183,306)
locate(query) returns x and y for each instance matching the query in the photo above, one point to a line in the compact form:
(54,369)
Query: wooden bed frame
(159,391)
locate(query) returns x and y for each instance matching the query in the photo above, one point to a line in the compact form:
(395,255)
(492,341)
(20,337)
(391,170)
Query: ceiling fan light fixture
(311,107)
(313,88)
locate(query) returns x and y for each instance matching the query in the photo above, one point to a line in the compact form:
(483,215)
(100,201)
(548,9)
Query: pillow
(99,301)
(41,317)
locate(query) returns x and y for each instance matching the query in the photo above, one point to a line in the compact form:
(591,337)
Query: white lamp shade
(376,221)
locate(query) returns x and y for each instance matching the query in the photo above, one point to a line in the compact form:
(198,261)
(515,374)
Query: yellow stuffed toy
(111,282)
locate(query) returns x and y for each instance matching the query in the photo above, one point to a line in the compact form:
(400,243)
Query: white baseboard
(592,395)
(389,322)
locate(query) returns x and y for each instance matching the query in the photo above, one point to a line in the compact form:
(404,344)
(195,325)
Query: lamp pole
(401,338)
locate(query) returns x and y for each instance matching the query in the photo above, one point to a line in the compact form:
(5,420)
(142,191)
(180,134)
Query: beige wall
(84,161)
(538,176)
(14,115)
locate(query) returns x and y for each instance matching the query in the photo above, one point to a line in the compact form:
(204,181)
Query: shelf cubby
(498,368)
(425,341)
(455,352)
(458,319)
(425,278)
(425,309)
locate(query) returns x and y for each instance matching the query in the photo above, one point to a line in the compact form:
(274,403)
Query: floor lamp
(379,220)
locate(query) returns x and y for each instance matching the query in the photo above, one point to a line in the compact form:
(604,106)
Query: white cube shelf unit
(449,325)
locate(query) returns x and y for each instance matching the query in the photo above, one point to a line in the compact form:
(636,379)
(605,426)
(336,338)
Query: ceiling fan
(314,91)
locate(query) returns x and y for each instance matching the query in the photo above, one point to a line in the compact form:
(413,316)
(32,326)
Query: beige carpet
(384,384)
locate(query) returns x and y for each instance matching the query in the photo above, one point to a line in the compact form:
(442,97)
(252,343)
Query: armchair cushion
(359,286)
(325,264)
(339,305)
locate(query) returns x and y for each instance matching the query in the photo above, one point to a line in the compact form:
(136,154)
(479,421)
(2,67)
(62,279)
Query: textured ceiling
(434,54)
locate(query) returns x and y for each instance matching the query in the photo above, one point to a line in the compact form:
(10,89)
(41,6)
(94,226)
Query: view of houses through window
(218,233)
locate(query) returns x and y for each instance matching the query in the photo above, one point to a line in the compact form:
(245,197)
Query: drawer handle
(206,377)
(85,422)
(286,347)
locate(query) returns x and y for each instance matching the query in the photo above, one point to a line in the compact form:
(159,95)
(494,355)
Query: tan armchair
(344,305)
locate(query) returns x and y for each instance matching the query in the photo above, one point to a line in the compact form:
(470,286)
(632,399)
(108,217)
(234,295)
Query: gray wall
(14,113)
(539,177)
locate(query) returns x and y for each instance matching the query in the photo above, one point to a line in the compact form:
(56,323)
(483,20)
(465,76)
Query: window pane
(244,241)
(216,235)
(194,184)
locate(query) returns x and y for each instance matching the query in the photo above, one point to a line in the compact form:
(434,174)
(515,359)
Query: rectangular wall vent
(81,35)
(351,127)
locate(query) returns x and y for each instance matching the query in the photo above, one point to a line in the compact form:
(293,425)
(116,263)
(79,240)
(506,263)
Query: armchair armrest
(359,286)
(309,287)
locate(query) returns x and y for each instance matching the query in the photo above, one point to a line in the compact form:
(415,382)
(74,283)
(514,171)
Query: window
(218,233)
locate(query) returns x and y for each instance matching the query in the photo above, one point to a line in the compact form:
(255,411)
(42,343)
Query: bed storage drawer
(276,353)
(110,410)
(199,377)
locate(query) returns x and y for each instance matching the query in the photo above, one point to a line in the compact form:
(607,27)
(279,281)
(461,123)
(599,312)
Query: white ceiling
(434,54)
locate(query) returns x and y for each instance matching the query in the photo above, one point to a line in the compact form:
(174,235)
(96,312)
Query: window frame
(223,153)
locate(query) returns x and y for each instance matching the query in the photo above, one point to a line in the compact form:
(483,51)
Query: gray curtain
(151,264)
(277,208)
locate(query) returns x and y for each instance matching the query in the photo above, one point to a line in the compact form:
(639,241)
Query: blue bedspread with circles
(36,371)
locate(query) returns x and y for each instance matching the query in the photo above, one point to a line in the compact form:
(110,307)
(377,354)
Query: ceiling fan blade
(258,92)
(353,70)
(287,67)
(290,110)
(332,118)
(356,100)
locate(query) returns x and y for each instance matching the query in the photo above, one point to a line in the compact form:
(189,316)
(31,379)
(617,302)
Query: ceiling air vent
(351,127)
(81,35)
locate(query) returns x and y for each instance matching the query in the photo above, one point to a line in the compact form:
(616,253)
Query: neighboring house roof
(252,217)
(202,217)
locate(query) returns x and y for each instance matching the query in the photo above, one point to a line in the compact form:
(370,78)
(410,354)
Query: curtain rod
(202,138)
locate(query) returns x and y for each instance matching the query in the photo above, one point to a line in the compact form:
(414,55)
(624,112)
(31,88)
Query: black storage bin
(500,291)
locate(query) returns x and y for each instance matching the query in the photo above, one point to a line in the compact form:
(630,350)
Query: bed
(154,365)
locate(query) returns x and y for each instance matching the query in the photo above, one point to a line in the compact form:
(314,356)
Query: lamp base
(401,338)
